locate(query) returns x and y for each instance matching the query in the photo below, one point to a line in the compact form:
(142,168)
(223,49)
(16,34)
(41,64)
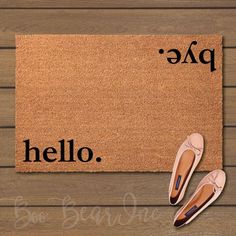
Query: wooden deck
(36,204)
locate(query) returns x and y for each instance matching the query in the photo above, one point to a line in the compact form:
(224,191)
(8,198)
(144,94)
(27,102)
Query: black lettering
(27,152)
(80,152)
(190,53)
(47,151)
(212,58)
(71,151)
(62,145)
(177,58)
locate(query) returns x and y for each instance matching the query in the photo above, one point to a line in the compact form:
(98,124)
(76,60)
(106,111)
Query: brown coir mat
(116,103)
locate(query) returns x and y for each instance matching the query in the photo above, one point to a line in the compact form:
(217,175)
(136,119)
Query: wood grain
(229,68)
(7,108)
(7,144)
(122,21)
(110,188)
(7,67)
(229,153)
(99,188)
(113,221)
(116,4)
(230,106)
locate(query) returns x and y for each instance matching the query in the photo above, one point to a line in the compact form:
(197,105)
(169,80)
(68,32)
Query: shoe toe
(220,178)
(178,223)
(173,200)
(197,140)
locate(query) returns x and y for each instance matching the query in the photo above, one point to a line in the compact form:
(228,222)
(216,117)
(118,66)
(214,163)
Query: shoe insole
(185,164)
(203,196)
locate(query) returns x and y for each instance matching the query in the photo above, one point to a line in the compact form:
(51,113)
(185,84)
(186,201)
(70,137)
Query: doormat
(116,103)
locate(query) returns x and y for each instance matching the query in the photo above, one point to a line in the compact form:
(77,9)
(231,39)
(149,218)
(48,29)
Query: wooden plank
(122,21)
(99,188)
(7,144)
(229,68)
(7,67)
(229,154)
(7,108)
(116,4)
(104,221)
(230,106)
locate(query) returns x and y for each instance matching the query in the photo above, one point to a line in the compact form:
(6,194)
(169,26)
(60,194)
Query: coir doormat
(116,103)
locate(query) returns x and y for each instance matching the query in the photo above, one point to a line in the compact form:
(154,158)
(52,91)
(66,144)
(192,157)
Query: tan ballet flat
(186,161)
(207,191)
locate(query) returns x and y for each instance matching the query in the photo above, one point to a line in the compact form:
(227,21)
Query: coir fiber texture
(120,97)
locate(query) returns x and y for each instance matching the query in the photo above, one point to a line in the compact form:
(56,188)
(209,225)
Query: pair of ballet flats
(207,191)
